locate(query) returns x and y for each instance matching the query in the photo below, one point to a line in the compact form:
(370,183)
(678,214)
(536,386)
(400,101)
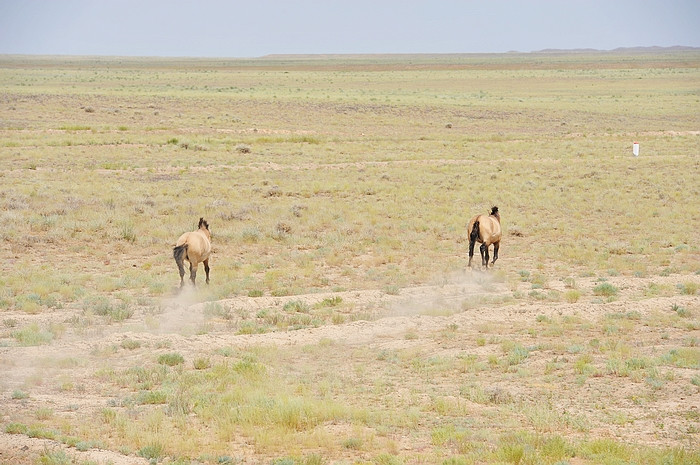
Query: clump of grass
(352,443)
(19,395)
(130,344)
(392,289)
(55,457)
(16,428)
(171,359)
(583,365)
(215,309)
(685,357)
(33,335)
(243,148)
(151,397)
(298,306)
(201,363)
(331,301)
(605,290)
(152,451)
(127,233)
(572,295)
(43,413)
(251,235)
(688,288)
(102,306)
(681,311)
(516,353)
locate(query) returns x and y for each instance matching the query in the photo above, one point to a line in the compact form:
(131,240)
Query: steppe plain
(341,325)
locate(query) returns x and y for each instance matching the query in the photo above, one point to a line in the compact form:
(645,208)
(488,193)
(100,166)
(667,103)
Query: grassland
(340,325)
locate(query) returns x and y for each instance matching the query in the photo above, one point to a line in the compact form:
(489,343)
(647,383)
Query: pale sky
(252,28)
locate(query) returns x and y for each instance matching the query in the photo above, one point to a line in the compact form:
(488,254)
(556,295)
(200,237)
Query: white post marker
(635,149)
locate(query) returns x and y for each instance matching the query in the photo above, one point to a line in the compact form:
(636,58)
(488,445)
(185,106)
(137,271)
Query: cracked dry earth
(472,302)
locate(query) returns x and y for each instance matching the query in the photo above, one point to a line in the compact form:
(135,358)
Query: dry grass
(344,177)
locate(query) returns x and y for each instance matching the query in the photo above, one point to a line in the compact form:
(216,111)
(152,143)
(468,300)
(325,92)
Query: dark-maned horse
(487,230)
(194,247)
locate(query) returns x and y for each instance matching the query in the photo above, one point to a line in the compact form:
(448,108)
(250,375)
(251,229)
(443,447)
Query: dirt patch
(469,306)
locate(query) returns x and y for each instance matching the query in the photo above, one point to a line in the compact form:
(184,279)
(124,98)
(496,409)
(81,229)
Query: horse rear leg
(495,252)
(182,274)
(206,269)
(484,255)
(193,273)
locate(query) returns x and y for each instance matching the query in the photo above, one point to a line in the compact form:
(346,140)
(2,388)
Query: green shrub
(56,457)
(605,290)
(32,335)
(201,363)
(16,428)
(688,288)
(102,306)
(171,359)
(296,306)
(151,451)
(151,397)
(130,344)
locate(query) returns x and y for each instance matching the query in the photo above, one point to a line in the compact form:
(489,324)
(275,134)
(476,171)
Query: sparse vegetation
(338,207)
(171,359)
(605,290)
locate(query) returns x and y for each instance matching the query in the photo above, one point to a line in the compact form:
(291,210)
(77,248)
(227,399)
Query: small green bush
(151,397)
(57,457)
(32,335)
(151,451)
(296,306)
(605,290)
(572,296)
(16,428)
(201,363)
(130,344)
(18,395)
(689,288)
(171,359)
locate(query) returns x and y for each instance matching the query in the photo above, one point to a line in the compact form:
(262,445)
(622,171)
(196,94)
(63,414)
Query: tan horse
(194,247)
(487,230)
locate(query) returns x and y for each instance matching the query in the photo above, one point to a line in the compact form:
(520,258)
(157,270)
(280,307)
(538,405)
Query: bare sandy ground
(465,300)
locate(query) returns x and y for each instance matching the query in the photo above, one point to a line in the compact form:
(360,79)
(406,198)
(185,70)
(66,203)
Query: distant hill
(553,51)
(654,49)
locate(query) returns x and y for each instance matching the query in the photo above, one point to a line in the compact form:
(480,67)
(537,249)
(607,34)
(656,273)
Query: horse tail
(179,253)
(474,235)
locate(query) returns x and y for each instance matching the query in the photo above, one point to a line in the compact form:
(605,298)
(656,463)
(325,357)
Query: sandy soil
(421,310)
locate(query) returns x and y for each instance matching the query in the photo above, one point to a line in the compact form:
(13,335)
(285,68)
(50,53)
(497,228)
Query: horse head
(204,226)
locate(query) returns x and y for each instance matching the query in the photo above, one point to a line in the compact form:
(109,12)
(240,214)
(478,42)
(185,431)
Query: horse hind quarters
(195,247)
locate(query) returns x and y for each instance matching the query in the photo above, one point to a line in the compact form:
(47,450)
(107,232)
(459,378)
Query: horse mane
(494,211)
(202,221)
